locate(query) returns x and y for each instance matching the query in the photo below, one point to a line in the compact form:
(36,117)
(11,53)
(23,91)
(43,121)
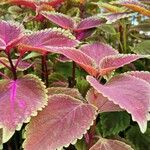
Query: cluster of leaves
(69,76)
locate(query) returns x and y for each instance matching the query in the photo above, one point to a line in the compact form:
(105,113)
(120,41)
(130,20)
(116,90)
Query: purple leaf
(90,22)
(46,41)
(97,51)
(10,34)
(109,144)
(129,93)
(62,122)
(67,91)
(98,59)
(102,103)
(19,100)
(80,58)
(144,75)
(111,18)
(60,19)
(110,63)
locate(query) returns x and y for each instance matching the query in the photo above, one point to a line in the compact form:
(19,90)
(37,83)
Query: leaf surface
(61,20)
(46,41)
(88,23)
(10,34)
(97,51)
(108,144)
(62,122)
(130,93)
(113,122)
(112,62)
(19,100)
(102,103)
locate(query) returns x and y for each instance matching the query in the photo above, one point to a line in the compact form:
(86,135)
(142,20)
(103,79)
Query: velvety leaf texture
(98,58)
(97,51)
(111,18)
(67,91)
(113,62)
(10,34)
(60,19)
(48,41)
(102,103)
(108,144)
(88,23)
(145,75)
(62,122)
(19,100)
(130,93)
(113,123)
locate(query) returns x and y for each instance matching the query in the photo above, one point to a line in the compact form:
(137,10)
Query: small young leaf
(109,144)
(62,122)
(113,123)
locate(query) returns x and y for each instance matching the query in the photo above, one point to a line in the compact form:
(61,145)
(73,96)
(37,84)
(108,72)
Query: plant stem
(5,64)
(13,69)
(44,69)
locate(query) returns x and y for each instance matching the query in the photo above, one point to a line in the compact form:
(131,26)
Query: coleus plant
(59,116)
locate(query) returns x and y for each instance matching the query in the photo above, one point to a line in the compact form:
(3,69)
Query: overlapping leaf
(10,34)
(62,20)
(111,18)
(68,23)
(19,100)
(98,58)
(102,103)
(46,40)
(62,122)
(144,75)
(109,144)
(130,93)
(136,6)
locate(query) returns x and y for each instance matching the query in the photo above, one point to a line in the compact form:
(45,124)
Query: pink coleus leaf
(145,75)
(130,93)
(111,18)
(102,103)
(112,62)
(46,40)
(80,58)
(10,34)
(90,22)
(97,51)
(98,58)
(68,23)
(109,144)
(60,19)
(67,91)
(19,100)
(62,122)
